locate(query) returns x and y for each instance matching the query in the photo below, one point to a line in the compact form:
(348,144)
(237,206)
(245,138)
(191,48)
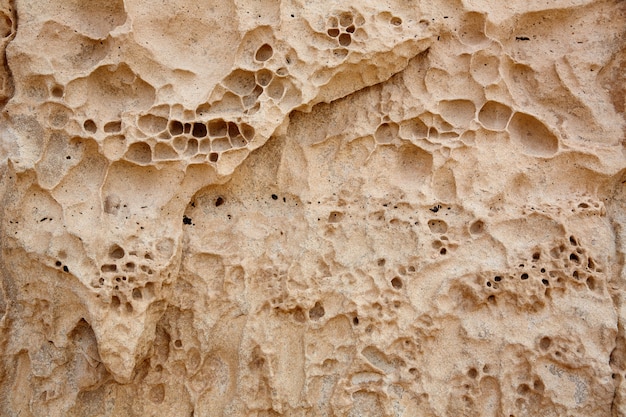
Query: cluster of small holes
(196,141)
(385,308)
(249,88)
(590,207)
(430,126)
(169,133)
(529,392)
(397,279)
(472,378)
(291,307)
(126,277)
(442,245)
(343,28)
(546,272)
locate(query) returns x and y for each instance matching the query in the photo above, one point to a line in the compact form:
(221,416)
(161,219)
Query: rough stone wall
(312,208)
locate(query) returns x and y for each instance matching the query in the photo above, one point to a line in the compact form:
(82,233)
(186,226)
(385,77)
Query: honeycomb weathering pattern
(311,209)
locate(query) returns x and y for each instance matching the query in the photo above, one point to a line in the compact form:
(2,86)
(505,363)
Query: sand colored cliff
(312,208)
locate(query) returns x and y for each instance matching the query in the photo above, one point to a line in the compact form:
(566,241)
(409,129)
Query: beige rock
(307,208)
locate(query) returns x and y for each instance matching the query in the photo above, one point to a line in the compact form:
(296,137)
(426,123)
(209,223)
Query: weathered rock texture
(313,208)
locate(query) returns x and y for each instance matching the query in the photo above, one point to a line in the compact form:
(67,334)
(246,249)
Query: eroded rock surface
(305,208)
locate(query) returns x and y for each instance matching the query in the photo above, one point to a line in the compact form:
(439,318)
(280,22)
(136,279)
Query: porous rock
(310,208)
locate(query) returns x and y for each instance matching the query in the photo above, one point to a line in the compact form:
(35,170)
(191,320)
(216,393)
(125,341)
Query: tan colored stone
(259,208)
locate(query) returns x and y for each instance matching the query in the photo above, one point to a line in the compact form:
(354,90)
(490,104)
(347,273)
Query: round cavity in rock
(199,130)
(457,112)
(276,89)
(472,29)
(484,68)
(180,143)
(335,217)
(477,227)
(114,146)
(264,77)
(333,32)
(58,115)
(250,100)
(116,252)
(57,91)
(238,141)
(233,130)
(396,283)
(494,115)
(152,124)
(192,147)
(437,226)
(204,146)
(203,109)
(360,35)
(247,131)
(163,151)
(139,152)
(346,19)
(220,144)
(414,128)
(386,132)
(345,39)
(175,128)
(396,21)
(90,126)
(113,127)
(317,312)
(264,53)
(240,82)
(217,128)
(534,137)
(340,53)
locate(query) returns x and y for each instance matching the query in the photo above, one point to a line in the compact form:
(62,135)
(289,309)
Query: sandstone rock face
(309,208)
